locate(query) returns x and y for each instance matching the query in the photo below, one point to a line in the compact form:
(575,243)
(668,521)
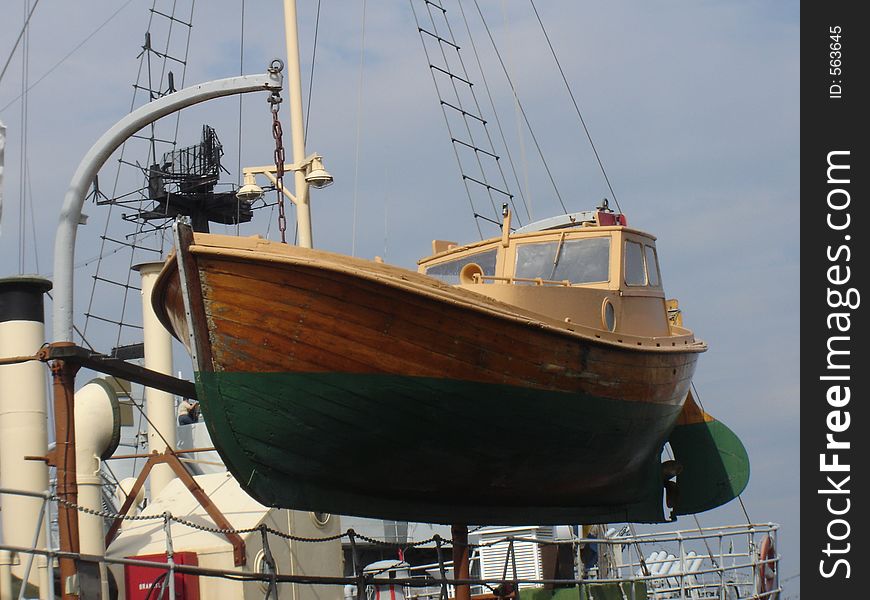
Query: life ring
(767,580)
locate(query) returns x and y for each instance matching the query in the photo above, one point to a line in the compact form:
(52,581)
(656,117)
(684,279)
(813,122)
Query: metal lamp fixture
(316,176)
(250,191)
(308,173)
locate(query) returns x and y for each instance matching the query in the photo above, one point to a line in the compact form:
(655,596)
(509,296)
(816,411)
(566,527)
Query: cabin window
(635,274)
(448,271)
(652,266)
(585,260)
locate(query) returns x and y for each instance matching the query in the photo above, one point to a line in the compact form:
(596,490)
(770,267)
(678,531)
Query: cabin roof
(524,233)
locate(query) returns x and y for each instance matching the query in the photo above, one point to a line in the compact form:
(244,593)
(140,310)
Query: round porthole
(608,315)
(320,518)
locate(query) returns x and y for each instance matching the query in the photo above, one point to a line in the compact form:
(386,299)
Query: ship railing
(658,566)
(45,565)
(721,562)
(701,563)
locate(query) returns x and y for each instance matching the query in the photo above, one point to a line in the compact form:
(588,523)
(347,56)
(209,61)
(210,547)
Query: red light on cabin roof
(608,218)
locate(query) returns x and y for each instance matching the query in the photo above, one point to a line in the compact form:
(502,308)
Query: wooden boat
(530,378)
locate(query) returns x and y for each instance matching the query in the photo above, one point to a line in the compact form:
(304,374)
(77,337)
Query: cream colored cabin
(588,269)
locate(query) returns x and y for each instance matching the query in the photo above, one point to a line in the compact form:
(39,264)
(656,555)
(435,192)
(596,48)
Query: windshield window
(652,266)
(634,271)
(448,271)
(579,261)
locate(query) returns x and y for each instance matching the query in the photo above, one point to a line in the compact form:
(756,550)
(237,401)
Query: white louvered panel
(528,554)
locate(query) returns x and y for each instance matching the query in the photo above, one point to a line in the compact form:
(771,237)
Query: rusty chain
(278,134)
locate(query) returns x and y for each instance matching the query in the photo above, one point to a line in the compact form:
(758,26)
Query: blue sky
(694,108)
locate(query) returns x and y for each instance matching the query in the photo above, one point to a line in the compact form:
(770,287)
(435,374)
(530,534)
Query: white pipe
(675,567)
(125,486)
(98,430)
(667,564)
(65,238)
(23,419)
(158,357)
(297,127)
(654,563)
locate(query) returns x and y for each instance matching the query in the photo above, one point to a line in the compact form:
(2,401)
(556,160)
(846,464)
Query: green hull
(437,450)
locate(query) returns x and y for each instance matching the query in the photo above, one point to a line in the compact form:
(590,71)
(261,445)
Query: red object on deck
(139,580)
(604,219)
(608,218)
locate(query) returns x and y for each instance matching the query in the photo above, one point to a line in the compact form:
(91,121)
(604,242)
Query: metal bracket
(169,458)
(116,368)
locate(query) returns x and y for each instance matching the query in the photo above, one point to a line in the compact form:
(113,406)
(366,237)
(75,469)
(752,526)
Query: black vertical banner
(835,452)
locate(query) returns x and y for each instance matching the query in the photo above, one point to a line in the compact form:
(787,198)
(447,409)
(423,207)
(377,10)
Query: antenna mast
(297,127)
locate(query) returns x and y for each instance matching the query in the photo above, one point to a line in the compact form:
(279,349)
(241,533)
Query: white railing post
(682,566)
(167,528)
(34,545)
(753,559)
(42,566)
(48,594)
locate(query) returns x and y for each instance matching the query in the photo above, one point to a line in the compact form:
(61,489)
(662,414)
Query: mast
(297,127)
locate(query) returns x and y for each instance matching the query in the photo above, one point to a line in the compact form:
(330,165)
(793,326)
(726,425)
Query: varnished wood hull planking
(581,417)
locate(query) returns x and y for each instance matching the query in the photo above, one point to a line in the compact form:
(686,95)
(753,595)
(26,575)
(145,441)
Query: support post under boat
(459,533)
(169,458)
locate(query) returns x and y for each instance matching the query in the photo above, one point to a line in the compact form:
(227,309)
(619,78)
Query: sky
(693,108)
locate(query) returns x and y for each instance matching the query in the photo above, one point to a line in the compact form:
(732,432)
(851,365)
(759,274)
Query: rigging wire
(460,104)
(739,496)
(68,54)
(118,485)
(468,109)
(29,202)
(25,109)
(524,161)
(520,105)
(695,517)
(140,235)
(446,120)
(576,106)
(177,115)
(139,407)
(307,116)
(468,129)
(21,35)
(241,97)
(105,237)
(362,56)
(311,77)
(495,112)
